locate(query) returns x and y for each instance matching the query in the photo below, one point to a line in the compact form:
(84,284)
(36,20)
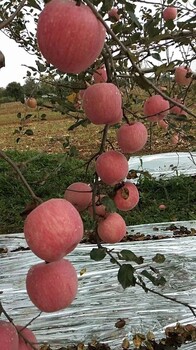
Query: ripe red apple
(175,109)
(169,13)
(112,229)
(102,103)
(127,197)
(31,102)
(162,124)
(175,139)
(79,194)
(53,229)
(162,206)
(100,75)
(8,336)
(113,14)
(28,335)
(52,286)
(156,108)
(180,76)
(112,167)
(100,209)
(132,137)
(69,35)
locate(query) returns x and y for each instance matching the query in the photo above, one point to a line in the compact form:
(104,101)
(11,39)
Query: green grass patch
(50,174)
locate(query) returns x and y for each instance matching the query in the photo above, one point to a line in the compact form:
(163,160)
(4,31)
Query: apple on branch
(52,286)
(112,229)
(102,104)
(28,335)
(79,194)
(169,13)
(53,229)
(112,167)
(156,108)
(8,336)
(132,137)
(69,35)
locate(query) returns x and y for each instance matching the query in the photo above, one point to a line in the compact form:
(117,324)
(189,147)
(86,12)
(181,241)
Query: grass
(49,175)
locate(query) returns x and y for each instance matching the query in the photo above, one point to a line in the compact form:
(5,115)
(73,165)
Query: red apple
(102,104)
(79,194)
(175,139)
(52,286)
(162,206)
(169,13)
(69,35)
(53,229)
(113,14)
(175,109)
(127,197)
(156,108)
(132,137)
(112,229)
(162,124)
(31,102)
(112,167)
(28,335)
(100,209)
(100,75)
(181,76)
(8,336)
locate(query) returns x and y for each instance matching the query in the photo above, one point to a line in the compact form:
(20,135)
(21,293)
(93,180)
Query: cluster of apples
(52,230)
(102,104)
(11,337)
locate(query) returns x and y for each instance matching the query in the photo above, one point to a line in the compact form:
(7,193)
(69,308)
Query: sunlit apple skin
(162,206)
(29,335)
(113,14)
(112,229)
(102,104)
(175,139)
(162,124)
(169,13)
(79,194)
(112,167)
(31,102)
(69,36)
(127,197)
(52,287)
(180,76)
(175,109)
(53,229)
(100,75)
(100,209)
(8,336)
(156,108)
(132,137)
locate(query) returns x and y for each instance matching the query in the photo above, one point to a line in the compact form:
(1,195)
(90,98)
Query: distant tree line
(16,92)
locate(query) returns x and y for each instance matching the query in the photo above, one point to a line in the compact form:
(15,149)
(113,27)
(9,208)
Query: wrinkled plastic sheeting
(101,301)
(165,165)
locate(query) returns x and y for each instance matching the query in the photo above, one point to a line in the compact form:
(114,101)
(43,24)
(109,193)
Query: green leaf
(135,19)
(126,276)
(107,5)
(128,255)
(157,281)
(156,56)
(33,3)
(19,115)
(98,254)
(109,204)
(29,132)
(41,67)
(82,122)
(43,116)
(159,258)
(66,143)
(73,152)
